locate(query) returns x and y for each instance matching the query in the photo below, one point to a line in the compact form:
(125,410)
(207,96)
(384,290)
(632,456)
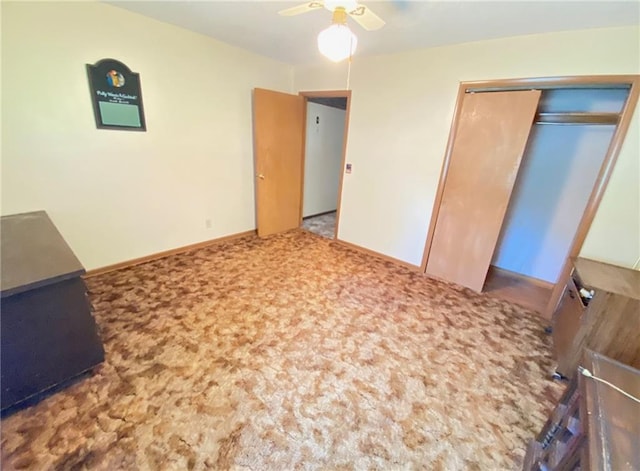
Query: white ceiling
(256,26)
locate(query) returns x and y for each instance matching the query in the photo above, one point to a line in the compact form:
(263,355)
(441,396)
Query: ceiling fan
(361,14)
(338,42)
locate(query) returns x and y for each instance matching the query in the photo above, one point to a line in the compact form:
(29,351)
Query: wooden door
(278,130)
(491,135)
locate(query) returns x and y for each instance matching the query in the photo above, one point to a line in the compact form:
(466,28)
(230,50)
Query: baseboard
(379,255)
(319,214)
(520,276)
(199,245)
(166,253)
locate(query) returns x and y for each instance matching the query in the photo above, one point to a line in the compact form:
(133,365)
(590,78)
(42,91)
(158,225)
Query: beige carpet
(293,353)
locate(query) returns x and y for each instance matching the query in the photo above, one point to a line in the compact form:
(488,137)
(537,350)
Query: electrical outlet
(207,223)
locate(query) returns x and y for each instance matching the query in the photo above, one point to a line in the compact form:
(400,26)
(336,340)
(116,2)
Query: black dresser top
(33,253)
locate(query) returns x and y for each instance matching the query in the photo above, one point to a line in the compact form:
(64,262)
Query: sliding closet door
(491,135)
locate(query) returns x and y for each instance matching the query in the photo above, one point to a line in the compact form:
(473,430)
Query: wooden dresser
(593,427)
(48,333)
(608,324)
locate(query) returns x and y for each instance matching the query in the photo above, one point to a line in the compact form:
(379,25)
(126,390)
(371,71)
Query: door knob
(260,176)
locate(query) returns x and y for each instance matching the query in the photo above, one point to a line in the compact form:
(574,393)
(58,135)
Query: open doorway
(324,154)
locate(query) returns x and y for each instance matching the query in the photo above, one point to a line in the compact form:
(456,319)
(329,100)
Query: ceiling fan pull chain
(349,67)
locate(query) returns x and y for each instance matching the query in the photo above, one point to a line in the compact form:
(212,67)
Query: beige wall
(402,106)
(615,232)
(118,195)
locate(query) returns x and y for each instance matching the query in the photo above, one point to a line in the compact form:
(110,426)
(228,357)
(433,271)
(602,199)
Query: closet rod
(577,118)
(552,87)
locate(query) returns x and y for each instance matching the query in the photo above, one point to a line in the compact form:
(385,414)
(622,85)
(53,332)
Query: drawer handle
(572,295)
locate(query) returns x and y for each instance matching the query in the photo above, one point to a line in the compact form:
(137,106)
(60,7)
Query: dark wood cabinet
(48,333)
(594,426)
(609,324)
(566,322)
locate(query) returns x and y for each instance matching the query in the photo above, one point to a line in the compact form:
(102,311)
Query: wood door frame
(326,94)
(606,169)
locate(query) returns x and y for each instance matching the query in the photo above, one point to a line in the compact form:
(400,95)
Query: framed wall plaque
(116,96)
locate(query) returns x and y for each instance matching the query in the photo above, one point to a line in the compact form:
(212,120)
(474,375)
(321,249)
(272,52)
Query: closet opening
(542,154)
(568,143)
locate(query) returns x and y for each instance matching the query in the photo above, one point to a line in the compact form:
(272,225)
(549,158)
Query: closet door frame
(546,83)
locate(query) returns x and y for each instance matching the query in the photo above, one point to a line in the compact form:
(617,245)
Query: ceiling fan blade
(366,18)
(299,9)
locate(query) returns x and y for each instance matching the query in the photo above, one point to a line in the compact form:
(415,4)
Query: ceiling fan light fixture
(337,42)
(347,5)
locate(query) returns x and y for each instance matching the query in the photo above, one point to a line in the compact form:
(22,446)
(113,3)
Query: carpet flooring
(293,352)
(323,225)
